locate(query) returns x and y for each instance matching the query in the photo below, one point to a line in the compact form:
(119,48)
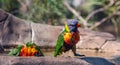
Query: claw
(78,54)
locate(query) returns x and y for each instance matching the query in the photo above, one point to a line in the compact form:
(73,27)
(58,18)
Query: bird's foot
(76,54)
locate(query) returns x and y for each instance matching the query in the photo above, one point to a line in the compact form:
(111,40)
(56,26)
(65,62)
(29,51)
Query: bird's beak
(78,25)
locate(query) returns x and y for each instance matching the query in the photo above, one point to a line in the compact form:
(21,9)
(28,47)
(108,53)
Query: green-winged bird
(68,38)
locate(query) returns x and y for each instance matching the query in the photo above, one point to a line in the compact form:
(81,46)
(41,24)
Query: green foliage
(43,11)
(90,4)
(47,11)
(11,6)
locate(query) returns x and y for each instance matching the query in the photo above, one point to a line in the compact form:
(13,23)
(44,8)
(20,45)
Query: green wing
(59,44)
(60,41)
(15,51)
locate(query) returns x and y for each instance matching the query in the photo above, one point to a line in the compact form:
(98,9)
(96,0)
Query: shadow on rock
(97,61)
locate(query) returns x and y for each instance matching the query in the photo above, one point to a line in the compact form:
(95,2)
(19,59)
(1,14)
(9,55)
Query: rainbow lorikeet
(68,38)
(29,49)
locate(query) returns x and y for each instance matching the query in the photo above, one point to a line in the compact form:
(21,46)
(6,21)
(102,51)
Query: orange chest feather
(71,38)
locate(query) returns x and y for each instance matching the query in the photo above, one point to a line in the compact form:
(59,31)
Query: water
(87,53)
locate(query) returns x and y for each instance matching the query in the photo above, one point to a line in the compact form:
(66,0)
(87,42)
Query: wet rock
(7,60)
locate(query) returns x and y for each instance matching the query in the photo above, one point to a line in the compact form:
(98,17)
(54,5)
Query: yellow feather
(67,28)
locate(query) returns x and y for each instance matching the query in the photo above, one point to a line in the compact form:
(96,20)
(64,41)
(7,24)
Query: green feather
(59,44)
(30,44)
(15,51)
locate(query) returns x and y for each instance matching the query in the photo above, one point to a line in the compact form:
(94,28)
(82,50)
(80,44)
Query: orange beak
(78,25)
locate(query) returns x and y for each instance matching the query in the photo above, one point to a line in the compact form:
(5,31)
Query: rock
(111,44)
(13,30)
(104,35)
(12,60)
(1,49)
(7,60)
(45,35)
(116,60)
(93,39)
(90,42)
(3,15)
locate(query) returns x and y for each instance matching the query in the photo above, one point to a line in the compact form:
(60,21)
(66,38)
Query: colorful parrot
(29,49)
(68,38)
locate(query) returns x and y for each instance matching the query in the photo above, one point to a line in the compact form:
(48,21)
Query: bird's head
(73,25)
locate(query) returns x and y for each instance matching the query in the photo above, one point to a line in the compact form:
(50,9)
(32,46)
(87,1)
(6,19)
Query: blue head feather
(72,24)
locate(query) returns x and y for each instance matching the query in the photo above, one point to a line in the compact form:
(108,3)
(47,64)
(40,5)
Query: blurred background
(99,15)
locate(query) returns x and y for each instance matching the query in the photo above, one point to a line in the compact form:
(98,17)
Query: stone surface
(116,60)
(111,46)
(13,30)
(12,60)
(93,39)
(3,15)
(7,60)
(45,35)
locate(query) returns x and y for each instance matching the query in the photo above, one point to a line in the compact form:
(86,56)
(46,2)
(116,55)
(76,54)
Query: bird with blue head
(73,25)
(68,38)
